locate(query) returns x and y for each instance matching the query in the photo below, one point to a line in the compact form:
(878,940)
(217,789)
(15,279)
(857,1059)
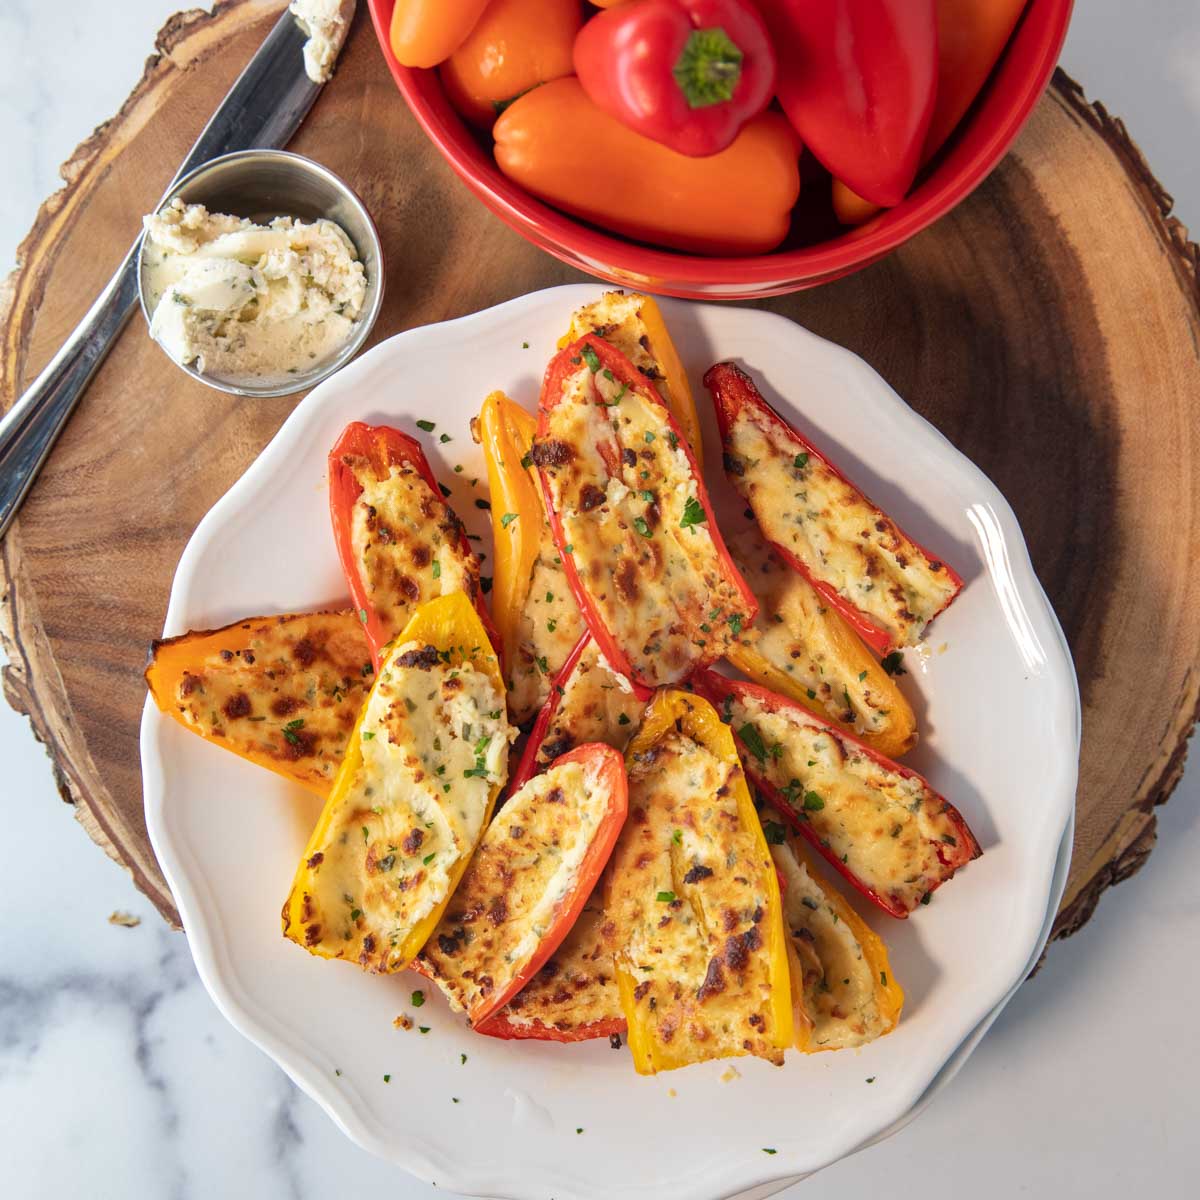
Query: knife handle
(30,428)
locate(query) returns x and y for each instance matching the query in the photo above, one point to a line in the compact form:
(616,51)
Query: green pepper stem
(709,68)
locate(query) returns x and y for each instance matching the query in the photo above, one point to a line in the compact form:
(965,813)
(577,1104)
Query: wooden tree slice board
(1049,327)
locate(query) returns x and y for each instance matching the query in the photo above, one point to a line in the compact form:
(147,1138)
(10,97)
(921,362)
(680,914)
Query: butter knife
(263,109)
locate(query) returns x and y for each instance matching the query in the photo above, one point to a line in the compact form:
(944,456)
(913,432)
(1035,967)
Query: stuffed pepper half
(414,794)
(884,584)
(878,823)
(693,899)
(632,521)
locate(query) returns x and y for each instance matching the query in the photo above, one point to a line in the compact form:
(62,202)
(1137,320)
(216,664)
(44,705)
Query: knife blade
(263,108)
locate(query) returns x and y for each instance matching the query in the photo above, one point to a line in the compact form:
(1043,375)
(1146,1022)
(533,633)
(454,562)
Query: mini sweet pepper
(687,73)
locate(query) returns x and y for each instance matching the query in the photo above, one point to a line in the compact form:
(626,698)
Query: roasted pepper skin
(674,709)
(560,369)
(499,1026)
(732,390)
(425,32)
(972,35)
(506,432)
(383,447)
(715,688)
(686,73)
(559,145)
(857,81)
(514,46)
(452,625)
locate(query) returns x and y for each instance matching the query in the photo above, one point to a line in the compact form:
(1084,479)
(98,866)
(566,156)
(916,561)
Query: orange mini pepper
(426,32)
(514,46)
(566,150)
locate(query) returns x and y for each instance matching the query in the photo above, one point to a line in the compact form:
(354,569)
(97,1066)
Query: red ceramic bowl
(976,147)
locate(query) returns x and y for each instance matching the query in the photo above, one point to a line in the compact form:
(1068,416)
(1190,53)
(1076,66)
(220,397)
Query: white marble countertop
(118,1078)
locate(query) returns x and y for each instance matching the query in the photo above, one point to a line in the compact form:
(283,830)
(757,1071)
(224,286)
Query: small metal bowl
(261,185)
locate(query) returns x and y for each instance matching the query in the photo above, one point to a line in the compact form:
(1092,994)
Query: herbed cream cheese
(326,22)
(248,302)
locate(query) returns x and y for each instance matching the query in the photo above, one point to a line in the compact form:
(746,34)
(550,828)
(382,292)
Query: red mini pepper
(805,809)
(726,600)
(686,73)
(377,449)
(880,616)
(857,81)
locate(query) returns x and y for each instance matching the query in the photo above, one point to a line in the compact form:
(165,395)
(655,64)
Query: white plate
(998,711)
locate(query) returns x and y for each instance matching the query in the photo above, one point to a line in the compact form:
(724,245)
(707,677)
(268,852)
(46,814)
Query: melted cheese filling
(630,512)
(831,527)
(838,986)
(688,897)
(886,827)
(289,694)
(597,705)
(551,624)
(617,318)
(434,743)
(787,633)
(407,542)
(523,874)
(575,989)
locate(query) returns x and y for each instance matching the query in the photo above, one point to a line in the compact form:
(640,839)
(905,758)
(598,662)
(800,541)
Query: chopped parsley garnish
(735,624)
(639,523)
(524,345)
(462,1060)
(507,520)
(444,438)
(811,694)
(647,496)
(769,1150)
(551,625)
(362,615)
(418,998)
(443,489)
(591,358)
(428,426)
(527,461)
(893,664)
(549,597)
(693,513)
(458,469)
(289,731)
(387,1079)
(437,569)
(883,978)
(861,676)
(753,742)
(871,1079)
(774,833)
(623,719)
(542,664)
(422,1028)
(677,836)
(800,462)
(665,897)
(649,437)
(673,438)
(368,735)
(429,858)
(813,802)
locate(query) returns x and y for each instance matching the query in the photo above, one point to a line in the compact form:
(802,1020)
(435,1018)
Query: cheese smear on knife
(326,22)
(242,301)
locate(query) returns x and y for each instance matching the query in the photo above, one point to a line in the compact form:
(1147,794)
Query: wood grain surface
(1049,327)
